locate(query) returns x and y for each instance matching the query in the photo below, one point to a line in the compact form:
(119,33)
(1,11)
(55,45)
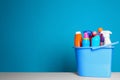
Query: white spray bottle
(106,35)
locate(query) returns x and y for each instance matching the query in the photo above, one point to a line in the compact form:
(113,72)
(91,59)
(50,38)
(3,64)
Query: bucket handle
(105,45)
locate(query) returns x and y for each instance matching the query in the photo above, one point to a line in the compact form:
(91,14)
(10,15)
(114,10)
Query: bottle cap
(86,35)
(100,29)
(89,32)
(94,33)
(78,32)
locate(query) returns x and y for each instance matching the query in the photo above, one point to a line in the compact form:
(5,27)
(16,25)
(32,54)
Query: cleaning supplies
(100,38)
(96,41)
(95,60)
(78,39)
(106,35)
(86,41)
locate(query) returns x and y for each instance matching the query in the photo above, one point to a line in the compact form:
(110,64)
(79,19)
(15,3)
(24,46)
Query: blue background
(37,35)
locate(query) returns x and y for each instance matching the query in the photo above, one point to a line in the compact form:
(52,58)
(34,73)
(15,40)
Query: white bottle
(106,35)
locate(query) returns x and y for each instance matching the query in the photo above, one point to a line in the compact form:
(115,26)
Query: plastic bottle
(96,41)
(94,33)
(78,39)
(86,41)
(101,36)
(89,34)
(101,39)
(106,35)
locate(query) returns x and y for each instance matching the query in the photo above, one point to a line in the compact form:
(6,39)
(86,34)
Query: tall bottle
(78,39)
(101,39)
(94,33)
(87,36)
(101,36)
(86,40)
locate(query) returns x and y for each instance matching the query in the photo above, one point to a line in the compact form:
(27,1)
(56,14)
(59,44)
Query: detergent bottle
(101,36)
(89,33)
(86,40)
(106,35)
(101,39)
(96,41)
(78,39)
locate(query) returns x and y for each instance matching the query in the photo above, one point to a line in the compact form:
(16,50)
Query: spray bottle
(106,35)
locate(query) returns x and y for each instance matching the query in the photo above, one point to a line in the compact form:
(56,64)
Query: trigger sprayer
(106,35)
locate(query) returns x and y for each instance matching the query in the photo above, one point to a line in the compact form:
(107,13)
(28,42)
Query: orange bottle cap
(100,29)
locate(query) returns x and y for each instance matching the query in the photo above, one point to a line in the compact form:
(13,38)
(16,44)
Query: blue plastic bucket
(94,62)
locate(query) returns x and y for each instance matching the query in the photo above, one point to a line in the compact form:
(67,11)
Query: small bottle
(94,33)
(101,39)
(78,39)
(96,41)
(101,36)
(86,41)
(89,35)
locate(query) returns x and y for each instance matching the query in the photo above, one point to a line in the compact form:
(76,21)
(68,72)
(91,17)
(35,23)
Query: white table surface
(51,76)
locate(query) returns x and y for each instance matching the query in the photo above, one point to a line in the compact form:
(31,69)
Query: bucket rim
(111,47)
